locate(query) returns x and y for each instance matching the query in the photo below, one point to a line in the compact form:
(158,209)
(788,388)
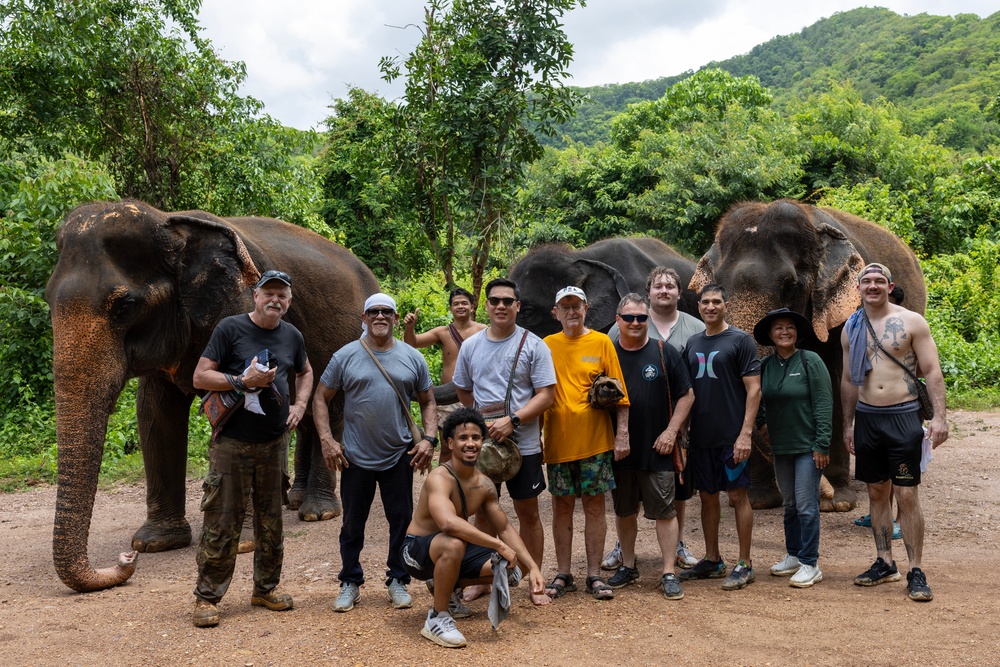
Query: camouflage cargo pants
(239,470)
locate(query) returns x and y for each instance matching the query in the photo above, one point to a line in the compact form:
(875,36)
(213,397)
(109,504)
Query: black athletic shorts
(529,482)
(416,553)
(887,443)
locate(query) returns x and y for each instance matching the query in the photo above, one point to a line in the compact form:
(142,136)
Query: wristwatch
(431,439)
(515,420)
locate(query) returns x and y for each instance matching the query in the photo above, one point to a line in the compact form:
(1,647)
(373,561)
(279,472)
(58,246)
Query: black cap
(274,275)
(762,331)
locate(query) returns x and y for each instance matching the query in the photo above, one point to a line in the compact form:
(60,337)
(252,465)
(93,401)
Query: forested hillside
(943,70)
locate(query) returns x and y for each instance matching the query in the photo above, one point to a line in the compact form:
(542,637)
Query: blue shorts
(416,553)
(712,469)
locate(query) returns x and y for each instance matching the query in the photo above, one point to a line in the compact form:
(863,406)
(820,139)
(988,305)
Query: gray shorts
(654,489)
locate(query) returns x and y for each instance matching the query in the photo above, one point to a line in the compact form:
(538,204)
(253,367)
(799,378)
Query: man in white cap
(579,440)
(378,447)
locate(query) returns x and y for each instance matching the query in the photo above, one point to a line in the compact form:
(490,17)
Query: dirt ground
(147,621)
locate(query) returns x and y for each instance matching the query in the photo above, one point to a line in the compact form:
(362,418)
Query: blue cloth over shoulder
(857,332)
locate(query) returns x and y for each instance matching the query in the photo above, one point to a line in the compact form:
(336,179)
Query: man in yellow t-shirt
(579,442)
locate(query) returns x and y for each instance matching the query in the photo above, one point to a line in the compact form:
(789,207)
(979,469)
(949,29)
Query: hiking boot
(788,566)
(274,600)
(705,569)
(806,576)
(349,596)
(440,629)
(456,605)
(613,559)
(671,586)
(879,573)
(206,614)
(623,577)
(685,559)
(916,584)
(741,576)
(398,595)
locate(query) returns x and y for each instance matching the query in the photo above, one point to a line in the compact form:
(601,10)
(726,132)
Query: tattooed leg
(880,508)
(911,521)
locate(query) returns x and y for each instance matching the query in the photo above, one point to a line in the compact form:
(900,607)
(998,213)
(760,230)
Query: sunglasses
(505,300)
(273,274)
(634,318)
(387,313)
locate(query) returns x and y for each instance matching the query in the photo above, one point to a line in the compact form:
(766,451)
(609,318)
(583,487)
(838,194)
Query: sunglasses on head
(505,300)
(634,318)
(384,312)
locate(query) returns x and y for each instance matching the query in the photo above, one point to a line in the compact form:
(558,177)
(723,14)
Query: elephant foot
(154,537)
(844,500)
(313,509)
(295,498)
(762,498)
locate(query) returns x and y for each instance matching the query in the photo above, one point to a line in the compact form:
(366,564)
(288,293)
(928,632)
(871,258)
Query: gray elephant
(136,293)
(789,254)
(606,271)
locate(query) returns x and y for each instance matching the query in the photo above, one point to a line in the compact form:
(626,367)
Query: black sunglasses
(387,313)
(274,274)
(505,300)
(634,318)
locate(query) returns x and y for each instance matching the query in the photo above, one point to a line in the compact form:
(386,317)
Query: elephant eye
(124,309)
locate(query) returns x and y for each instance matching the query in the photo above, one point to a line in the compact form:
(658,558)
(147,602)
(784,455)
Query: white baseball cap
(571,290)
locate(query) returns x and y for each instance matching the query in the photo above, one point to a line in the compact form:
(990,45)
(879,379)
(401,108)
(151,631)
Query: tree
(487,76)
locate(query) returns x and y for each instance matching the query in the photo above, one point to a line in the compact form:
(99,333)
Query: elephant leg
(320,502)
(763,492)
(300,478)
(162,414)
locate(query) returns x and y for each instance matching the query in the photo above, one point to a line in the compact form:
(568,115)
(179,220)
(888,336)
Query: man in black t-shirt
(660,404)
(249,455)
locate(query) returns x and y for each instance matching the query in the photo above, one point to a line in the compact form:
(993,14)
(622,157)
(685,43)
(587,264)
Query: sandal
(599,589)
(556,590)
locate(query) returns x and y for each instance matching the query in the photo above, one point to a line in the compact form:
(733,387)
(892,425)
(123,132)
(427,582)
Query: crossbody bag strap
(666,378)
(875,339)
(416,432)
(455,336)
(513,368)
(461,493)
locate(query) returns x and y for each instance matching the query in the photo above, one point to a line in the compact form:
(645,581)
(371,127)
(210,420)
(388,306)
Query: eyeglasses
(634,318)
(495,301)
(387,313)
(273,274)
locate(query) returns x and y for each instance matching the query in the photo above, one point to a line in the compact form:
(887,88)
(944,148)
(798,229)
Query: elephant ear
(704,273)
(605,286)
(834,295)
(213,266)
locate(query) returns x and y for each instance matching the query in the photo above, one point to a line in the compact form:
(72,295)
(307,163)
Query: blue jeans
(798,480)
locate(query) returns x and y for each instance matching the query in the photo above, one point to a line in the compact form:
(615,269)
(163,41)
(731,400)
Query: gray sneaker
(349,596)
(671,586)
(398,595)
(685,559)
(613,559)
(741,576)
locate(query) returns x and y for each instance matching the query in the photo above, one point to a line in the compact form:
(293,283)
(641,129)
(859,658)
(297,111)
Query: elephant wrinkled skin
(136,293)
(793,255)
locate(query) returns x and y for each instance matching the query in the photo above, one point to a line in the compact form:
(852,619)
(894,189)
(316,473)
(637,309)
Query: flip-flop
(600,589)
(562,589)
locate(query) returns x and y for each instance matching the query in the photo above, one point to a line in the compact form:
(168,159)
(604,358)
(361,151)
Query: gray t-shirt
(483,367)
(685,327)
(376,432)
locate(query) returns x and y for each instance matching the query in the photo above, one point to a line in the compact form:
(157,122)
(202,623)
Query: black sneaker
(705,569)
(623,577)
(671,586)
(916,584)
(879,573)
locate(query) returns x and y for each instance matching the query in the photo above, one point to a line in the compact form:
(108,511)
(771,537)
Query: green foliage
(873,200)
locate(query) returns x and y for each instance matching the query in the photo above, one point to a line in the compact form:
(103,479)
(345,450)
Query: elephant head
(782,254)
(549,268)
(131,291)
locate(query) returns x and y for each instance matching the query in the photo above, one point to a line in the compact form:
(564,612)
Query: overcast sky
(302,54)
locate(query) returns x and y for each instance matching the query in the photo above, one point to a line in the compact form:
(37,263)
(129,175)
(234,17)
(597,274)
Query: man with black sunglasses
(378,446)
(482,375)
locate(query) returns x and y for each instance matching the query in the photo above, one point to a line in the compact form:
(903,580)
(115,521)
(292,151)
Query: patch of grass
(983,399)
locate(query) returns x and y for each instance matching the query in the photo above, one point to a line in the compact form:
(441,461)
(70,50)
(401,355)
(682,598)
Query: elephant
(137,292)
(606,271)
(798,256)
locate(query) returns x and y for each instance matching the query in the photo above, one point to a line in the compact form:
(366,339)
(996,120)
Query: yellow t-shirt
(574,429)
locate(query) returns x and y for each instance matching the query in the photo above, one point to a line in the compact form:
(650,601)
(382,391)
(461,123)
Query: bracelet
(237,382)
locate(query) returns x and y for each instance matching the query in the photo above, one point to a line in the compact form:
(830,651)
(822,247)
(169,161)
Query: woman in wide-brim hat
(796,415)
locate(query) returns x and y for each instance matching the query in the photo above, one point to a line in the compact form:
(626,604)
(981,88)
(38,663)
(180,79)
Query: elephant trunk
(86,387)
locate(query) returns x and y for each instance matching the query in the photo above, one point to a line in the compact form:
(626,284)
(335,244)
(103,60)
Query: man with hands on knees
(379,447)
(250,455)
(444,546)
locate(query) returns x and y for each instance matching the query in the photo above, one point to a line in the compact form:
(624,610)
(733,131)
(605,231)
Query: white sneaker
(684,559)
(613,559)
(440,629)
(787,566)
(806,576)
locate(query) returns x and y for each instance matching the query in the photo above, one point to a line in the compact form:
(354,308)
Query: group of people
(693,392)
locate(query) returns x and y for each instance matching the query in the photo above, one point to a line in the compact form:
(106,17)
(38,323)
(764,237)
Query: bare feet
(539,600)
(472,592)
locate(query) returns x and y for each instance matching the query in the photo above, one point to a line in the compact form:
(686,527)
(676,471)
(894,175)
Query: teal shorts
(587,477)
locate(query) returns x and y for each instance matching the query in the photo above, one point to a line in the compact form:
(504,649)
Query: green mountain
(943,71)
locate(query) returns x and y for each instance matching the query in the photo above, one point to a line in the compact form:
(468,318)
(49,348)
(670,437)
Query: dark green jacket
(796,403)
